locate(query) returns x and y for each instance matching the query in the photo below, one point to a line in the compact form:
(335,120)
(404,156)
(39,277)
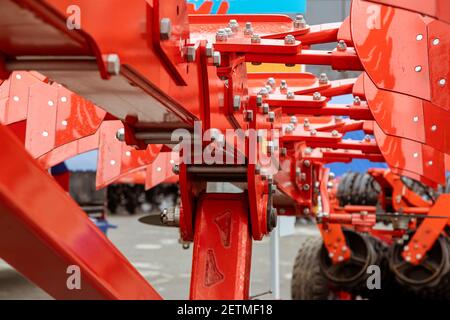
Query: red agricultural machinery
(164,94)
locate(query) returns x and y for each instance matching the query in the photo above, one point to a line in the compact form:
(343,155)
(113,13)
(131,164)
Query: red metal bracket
(222,248)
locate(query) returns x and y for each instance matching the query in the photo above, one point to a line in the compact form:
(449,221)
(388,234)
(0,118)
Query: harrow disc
(352,275)
(426,277)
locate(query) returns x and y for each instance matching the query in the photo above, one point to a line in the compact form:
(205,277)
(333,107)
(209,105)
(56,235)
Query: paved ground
(155,252)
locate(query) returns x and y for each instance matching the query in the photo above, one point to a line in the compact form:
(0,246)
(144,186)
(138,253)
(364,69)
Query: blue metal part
(260,6)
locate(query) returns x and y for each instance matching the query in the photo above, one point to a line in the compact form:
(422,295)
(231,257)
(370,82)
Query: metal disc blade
(152,219)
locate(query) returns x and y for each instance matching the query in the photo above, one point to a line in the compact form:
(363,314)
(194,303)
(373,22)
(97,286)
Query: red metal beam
(43,232)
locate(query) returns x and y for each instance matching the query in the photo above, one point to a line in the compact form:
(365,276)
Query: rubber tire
(308,282)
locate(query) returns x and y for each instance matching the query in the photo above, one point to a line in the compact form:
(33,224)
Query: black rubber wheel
(308,282)
(358,189)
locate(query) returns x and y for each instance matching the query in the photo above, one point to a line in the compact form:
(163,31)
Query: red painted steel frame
(222,248)
(43,232)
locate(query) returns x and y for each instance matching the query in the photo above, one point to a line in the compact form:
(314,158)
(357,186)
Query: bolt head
(299,22)
(334,133)
(341,46)
(221,35)
(237,103)
(271,82)
(191,53)
(256,38)
(357,101)
(317,96)
(120,134)
(290,95)
(323,78)
(289,39)
(209,50)
(217,59)
(165,28)
(264,92)
(113,64)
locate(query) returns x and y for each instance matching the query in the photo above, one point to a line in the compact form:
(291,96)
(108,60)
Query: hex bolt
(442,82)
(290,95)
(176,169)
(418,256)
(306,211)
(283,86)
(271,82)
(289,128)
(113,64)
(209,49)
(248,115)
(289,39)
(294,120)
(237,103)
(165,28)
(248,31)
(283,152)
(264,92)
(265,108)
(271,116)
(221,35)
(306,187)
(341,46)
(308,151)
(299,22)
(317,96)
(217,59)
(313,132)
(120,134)
(191,53)
(334,133)
(234,25)
(331,176)
(229,32)
(269,88)
(259,100)
(306,123)
(307,163)
(367,138)
(256,38)
(323,78)
(357,101)
(340,258)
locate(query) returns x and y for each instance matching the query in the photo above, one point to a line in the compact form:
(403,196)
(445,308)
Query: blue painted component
(103,225)
(259,6)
